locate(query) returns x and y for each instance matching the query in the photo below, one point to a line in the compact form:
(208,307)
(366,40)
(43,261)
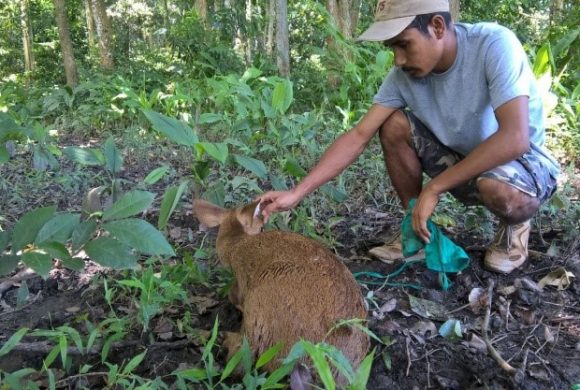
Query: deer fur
(287,286)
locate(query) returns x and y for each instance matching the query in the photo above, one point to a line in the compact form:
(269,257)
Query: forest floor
(536,330)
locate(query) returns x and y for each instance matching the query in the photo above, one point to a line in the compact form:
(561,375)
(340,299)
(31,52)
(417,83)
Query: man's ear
(438,25)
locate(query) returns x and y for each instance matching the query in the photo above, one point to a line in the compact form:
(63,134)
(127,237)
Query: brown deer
(288,287)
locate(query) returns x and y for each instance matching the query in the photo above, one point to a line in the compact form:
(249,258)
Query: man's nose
(400,58)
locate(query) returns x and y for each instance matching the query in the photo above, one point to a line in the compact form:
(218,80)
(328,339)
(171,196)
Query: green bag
(441,254)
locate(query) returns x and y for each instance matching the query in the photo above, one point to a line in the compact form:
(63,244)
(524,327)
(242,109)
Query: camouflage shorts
(529,173)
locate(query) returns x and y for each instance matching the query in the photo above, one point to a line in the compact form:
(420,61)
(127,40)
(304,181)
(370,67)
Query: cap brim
(386,29)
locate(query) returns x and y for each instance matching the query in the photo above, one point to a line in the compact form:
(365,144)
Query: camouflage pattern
(530,173)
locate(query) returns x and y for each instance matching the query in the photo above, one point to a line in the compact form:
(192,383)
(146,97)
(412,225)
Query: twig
(407,340)
(66,380)
(492,351)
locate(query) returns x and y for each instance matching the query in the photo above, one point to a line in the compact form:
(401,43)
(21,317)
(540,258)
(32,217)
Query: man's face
(416,53)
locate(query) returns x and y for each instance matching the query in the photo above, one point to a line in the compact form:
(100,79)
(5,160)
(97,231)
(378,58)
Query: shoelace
(504,230)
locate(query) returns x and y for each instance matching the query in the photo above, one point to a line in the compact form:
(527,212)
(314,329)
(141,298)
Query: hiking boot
(509,249)
(390,251)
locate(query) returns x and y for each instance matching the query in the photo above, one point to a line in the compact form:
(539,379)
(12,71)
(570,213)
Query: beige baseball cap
(393,16)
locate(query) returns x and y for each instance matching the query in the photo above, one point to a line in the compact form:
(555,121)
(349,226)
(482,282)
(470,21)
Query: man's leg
(401,160)
(509,204)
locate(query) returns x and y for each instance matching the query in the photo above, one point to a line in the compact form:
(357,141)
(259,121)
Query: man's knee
(507,202)
(395,129)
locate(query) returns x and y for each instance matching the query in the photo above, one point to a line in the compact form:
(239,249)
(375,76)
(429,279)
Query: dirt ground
(536,331)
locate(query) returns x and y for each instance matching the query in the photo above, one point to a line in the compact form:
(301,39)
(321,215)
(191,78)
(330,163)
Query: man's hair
(421,22)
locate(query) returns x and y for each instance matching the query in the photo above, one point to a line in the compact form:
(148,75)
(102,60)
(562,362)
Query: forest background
(116,109)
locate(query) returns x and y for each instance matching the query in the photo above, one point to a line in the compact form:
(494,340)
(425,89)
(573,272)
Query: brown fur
(288,287)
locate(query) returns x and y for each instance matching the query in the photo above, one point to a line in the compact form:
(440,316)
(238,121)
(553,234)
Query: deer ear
(208,214)
(251,218)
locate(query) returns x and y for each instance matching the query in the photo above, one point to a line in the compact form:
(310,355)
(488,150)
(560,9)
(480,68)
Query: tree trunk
(248,37)
(66,48)
(104,32)
(26,37)
(282,42)
(91,35)
(271,17)
(345,21)
(354,15)
(454,9)
(201,8)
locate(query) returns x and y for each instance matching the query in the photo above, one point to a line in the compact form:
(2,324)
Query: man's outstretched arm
(337,157)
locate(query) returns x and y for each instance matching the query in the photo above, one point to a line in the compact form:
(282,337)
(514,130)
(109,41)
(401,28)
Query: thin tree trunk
(345,21)
(271,16)
(91,35)
(66,48)
(454,9)
(201,8)
(26,37)
(282,42)
(354,15)
(104,32)
(248,38)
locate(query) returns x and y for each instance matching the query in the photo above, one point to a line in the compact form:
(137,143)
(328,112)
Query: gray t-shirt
(458,105)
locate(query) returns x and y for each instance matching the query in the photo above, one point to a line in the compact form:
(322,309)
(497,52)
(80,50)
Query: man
(461,104)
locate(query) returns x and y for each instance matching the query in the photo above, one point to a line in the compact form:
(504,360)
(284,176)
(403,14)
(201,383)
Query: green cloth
(441,254)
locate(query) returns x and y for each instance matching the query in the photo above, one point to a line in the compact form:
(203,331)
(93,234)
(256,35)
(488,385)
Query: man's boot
(509,249)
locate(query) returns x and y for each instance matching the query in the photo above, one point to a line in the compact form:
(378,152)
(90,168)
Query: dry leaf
(528,316)
(507,290)
(559,278)
(527,284)
(539,372)
(477,299)
(427,309)
(389,306)
(475,342)
(424,327)
(203,303)
(548,335)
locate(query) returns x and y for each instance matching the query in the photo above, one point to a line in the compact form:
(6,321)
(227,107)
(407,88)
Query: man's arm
(337,157)
(509,142)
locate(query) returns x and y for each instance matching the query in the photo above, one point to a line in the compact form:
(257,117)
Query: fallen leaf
(424,328)
(559,278)
(203,303)
(539,372)
(528,317)
(451,330)
(507,290)
(72,309)
(548,335)
(527,284)
(175,232)
(389,306)
(427,309)
(477,299)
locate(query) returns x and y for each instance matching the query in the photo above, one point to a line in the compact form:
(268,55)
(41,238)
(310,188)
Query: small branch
(492,351)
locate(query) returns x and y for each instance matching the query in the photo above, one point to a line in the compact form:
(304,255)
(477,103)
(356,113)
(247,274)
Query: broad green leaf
(542,62)
(335,193)
(209,118)
(85,156)
(114,159)
(55,249)
(140,235)
(273,380)
(155,175)
(13,341)
(321,365)
(133,363)
(4,240)
(83,233)
(169,203)
(451,330)
(362,375)
(257,167)
(8,263)
(231,365)
(218,151)
(4,154)
(131,203)
(174,129)
(40,262)
(282,96)
(251,73)
(74,263)
(293,168)
(74,335)
(278,183)
(63,346)
(269,354)
(111,253)
(216,194)
(27,228)
(59,228)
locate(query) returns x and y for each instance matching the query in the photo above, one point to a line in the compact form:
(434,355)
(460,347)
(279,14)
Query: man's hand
(275,201)
(423,209)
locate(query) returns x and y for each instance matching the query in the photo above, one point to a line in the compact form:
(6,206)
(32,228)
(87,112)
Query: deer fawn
(287,286)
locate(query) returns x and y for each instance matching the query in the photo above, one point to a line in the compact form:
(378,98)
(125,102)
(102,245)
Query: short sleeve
(507,70)
(389,94)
